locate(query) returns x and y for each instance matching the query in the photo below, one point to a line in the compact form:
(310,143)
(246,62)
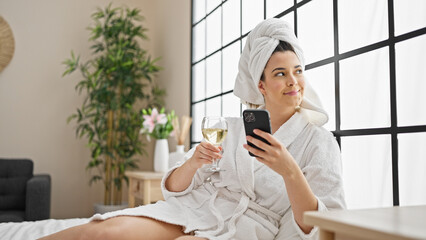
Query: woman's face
(283,84)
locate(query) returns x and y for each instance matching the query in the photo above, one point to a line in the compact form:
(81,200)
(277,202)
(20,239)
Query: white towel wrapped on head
(261,42)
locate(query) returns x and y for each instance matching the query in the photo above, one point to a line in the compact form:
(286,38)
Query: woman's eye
(280,74)
(299,71)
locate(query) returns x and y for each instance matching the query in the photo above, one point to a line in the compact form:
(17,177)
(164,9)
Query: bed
(37,229)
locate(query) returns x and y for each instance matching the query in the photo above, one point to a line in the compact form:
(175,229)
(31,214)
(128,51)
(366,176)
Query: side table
(389,223)
(144,185)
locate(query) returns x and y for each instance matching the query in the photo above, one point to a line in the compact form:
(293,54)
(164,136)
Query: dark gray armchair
(23,196)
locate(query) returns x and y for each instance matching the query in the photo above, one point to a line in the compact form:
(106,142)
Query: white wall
(35,100)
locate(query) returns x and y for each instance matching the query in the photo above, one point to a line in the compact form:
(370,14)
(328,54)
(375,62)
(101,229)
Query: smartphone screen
(256,119)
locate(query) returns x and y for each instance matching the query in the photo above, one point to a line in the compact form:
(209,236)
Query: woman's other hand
(181,177)
(204,153)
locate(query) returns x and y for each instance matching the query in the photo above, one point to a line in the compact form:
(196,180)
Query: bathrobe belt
(244,203)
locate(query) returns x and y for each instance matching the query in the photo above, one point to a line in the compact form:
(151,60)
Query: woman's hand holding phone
(265,147)
(274,155)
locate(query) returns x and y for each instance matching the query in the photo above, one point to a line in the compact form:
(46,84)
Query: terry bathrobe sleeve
(322,168)
(197,180)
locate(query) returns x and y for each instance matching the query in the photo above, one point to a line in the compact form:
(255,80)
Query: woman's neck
(279,116)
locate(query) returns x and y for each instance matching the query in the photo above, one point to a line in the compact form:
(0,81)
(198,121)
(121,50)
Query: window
(369,74)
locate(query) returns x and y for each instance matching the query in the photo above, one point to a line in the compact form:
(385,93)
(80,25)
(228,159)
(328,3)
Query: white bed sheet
(37,229)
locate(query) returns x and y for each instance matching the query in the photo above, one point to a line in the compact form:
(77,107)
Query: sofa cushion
(14,175)
(12,216)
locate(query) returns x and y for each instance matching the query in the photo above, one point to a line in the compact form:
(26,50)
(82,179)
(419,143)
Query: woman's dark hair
(282,47)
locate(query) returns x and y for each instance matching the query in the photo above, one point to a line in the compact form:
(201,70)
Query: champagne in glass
(214,136)
(214,130)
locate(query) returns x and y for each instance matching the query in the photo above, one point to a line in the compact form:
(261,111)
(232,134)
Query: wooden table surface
(145,174)
(407,222)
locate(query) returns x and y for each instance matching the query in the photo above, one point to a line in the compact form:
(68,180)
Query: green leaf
(71,118)
(80,115)
(126,179)
(94,179)
(117,183)
(71,64)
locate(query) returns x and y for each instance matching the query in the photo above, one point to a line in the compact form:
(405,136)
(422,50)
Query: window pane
(231,105)
(199,10)
(289,18)
(275,7)
(252,14)
(370,26)
(316,19)
(198,111)
(214,31)
(367,171)
(212,4)
(198,81)
(410,60)
(231,21)
(214,107)
(412,168)
(409,15)
(322,80)
(199,41)
(231,56)
(364,90)
(213,75)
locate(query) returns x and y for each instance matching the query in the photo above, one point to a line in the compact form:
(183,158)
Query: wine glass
(214,131)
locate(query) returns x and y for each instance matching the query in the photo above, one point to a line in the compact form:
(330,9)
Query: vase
(176,158)
(161,155)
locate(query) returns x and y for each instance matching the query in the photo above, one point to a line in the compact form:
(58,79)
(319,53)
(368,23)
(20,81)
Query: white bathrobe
(248,200)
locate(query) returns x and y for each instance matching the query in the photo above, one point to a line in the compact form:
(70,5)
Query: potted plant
(117,78)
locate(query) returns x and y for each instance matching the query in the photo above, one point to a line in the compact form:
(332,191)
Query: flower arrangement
(157,124)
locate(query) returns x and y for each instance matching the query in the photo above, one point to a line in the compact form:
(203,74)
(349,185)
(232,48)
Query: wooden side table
(145,186)
(392,223)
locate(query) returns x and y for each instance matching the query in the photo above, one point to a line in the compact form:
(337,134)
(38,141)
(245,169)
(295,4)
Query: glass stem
(214,163)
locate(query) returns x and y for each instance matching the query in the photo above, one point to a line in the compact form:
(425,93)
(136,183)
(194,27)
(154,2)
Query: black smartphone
(256,119)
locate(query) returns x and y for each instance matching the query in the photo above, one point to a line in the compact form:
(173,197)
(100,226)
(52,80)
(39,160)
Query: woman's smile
(292,93)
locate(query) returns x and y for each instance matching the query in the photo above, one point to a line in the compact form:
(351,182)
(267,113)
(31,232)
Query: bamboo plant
(117,78)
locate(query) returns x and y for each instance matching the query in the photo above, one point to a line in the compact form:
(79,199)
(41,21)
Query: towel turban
(260,44)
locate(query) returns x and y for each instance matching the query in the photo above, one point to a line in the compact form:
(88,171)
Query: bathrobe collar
(286,134)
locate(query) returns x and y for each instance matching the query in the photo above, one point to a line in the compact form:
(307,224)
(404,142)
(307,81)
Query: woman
(254,198)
